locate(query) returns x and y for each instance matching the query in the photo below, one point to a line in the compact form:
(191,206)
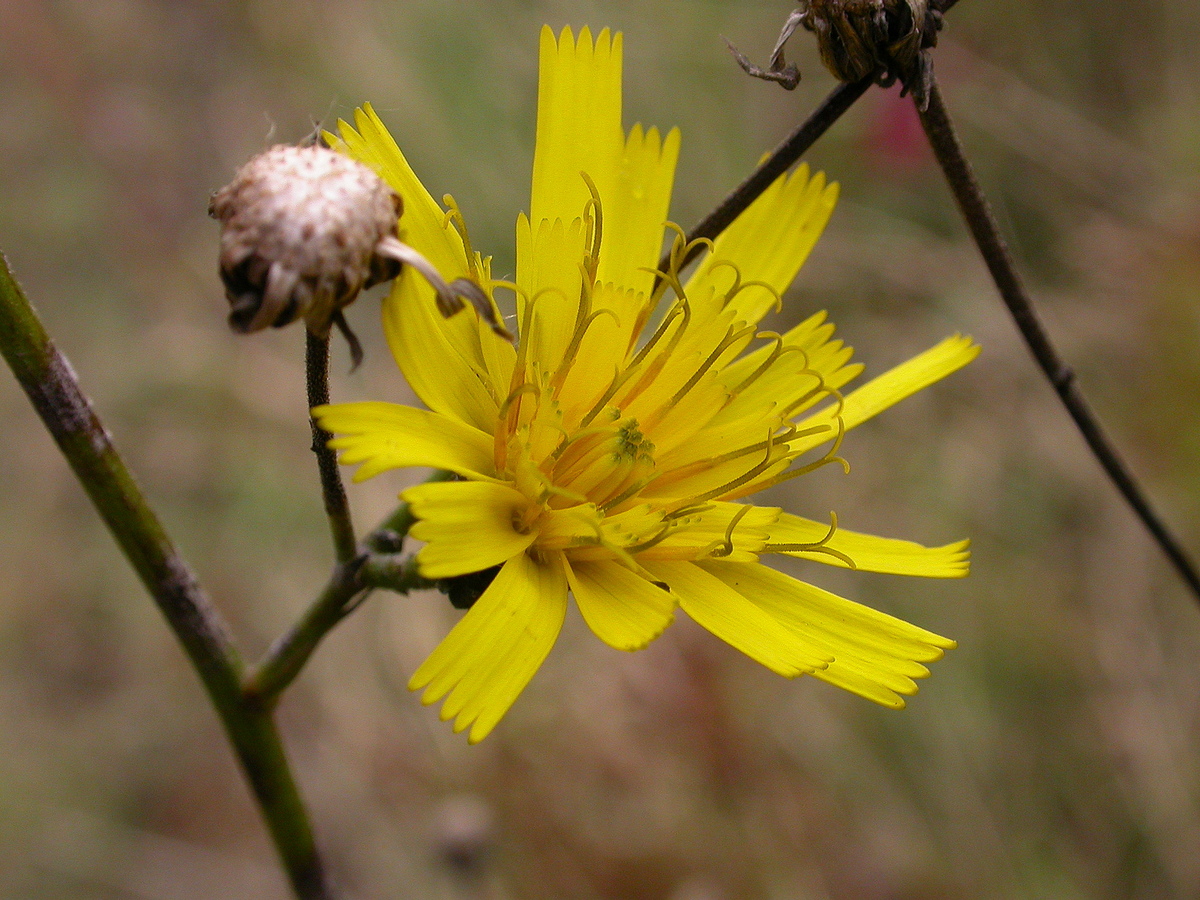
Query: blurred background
(1055,753)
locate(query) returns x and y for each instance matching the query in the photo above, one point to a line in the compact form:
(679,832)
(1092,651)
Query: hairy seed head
(300,230)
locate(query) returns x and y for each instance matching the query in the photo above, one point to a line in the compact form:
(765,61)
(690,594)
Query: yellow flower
(606,454)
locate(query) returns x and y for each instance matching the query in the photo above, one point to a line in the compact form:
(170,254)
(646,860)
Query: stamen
(724,490)
(629,486)
(504,426)
(732,336)
(572,351)
(661,359)
(808,399)
(593,206)
(829,457)
(624,556)
(776,354)
(621,377)
(573,440)
(816,546)
(762,284)
(726,547)
(789,433)
(651,542)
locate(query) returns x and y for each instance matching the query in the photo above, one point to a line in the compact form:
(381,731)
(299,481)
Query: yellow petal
(442,358)
(893,386)
(737,621)
(422,221)
(623,609)
(385,436)
(875,655)
(489,657)
(578,123)
(868,552)
(549,277)
(467,526)
(769,242)
(636,210)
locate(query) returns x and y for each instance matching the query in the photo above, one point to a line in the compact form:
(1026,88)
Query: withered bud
(887,39)
(304,230)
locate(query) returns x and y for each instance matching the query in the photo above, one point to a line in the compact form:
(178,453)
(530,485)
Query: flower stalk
(375,563)
(337,507)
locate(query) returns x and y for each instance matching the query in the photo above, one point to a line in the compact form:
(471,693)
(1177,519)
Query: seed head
(300,234)
(887,38)
(304,230)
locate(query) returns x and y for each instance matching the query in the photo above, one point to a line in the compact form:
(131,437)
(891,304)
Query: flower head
(608,454)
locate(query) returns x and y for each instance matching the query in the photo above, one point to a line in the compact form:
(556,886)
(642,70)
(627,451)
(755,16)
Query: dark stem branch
(984,230)
(47,378)
(782,158)
(337,507)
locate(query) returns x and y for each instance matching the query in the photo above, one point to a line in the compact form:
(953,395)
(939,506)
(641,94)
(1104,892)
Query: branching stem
(782,158)
(54,391)
(376,563)
(985,231)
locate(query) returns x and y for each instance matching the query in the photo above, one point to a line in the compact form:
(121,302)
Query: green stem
(376,563)
(47,378)
(287,656)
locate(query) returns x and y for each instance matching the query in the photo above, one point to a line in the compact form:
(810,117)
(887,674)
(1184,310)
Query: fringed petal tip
(488,658)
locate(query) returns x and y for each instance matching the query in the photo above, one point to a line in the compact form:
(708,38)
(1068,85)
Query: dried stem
(337,507)
(47,378)
(781,159)
(795,145)
(983,227)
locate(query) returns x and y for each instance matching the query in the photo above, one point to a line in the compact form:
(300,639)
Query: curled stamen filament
(816,546)
(725,548)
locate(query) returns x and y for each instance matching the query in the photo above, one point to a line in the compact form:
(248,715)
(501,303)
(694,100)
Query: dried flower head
(857,39)
(304,230)
(886,38)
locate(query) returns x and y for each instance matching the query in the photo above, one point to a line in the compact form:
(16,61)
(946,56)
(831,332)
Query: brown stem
(781,159)
(985,231)
(337,507)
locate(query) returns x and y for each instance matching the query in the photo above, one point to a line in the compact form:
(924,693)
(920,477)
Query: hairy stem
(985,231)
(47,378)
(337,507)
